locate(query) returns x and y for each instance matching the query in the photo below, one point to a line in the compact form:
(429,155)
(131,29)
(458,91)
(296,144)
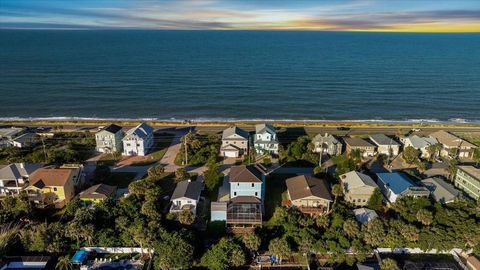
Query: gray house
(14,176)
(327,144)
(440,190)
(109,139)
(235,142)
(385,145)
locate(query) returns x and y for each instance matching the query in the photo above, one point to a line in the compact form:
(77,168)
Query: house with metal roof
(440,190)
(186,196)
(364,215)
(396,185)
(14,176)
(109,139)
(309,194)
(419,143)
(357,187)
(265,140)
(138,141)
(235,142)
(385,145)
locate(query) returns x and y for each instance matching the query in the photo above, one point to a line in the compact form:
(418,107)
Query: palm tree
(424,216)
(451,169)
(8,233)
(389,264)
(63,263)
(337,191)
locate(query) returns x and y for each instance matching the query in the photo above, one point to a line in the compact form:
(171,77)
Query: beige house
(385,145)
(367,149)
(357,187)
(453,146)
(309,194)
(235,142)
(327,144)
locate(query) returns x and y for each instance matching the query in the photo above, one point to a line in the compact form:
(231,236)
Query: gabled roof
(262,128)
(50,177)
(472,171)
(27,137)
(112,128)
(355,179)
(357,142)
(448,139)
(364,215)
(100,191)
(246,199)
(188,189)
(245,174)
(397,182)
(234,130)
(18,170)
(142,131)
(381,139)
(441,191)
(303,186)
(421,142)
(327,138)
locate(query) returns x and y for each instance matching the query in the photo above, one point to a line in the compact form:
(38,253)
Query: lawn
(162,142)
(120,179)
(276,191)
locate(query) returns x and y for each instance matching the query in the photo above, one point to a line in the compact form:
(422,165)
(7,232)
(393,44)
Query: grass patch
(108,159)
(167,183)
(120,179)
(276,192)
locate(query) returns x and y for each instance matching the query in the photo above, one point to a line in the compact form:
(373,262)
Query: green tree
(63,263)
(374,232)
(322,221)
(186,217)
(8,234)
(389,264)
(351,229)
(252,241)
(451,169)
(424,216)
(156,171)
(173,251)
(224,255)
(181,174)
(410,154)
(434,150)
(337,191)
(376,200)
(476,156)
(343,164)
(212,176)
(280,248)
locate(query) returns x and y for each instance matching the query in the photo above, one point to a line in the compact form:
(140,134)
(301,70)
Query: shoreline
(76,121)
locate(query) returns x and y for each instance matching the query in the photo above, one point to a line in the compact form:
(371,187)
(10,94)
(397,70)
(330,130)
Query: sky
(338,15)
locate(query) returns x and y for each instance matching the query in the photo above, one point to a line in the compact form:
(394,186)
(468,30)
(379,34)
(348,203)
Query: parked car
(416,129)
(343,128)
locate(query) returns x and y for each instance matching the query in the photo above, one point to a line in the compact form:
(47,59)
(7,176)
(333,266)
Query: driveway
(168,160)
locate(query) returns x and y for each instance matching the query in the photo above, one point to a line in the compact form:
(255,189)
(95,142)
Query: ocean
(240,75)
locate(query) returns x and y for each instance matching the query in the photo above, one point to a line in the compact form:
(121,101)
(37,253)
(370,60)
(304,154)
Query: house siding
(468,183)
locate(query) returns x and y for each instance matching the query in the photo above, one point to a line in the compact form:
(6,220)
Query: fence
(117,250)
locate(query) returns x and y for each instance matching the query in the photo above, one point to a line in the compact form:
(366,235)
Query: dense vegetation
(61,148)
(200,148)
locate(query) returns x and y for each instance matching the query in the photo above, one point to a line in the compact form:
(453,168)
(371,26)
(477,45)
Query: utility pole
(44,151)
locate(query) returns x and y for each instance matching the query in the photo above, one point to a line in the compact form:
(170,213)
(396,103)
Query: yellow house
(97,193)
(52,187)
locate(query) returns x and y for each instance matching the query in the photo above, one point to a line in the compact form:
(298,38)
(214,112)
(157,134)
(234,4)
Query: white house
(25,140)
(385,145)
(109,139)
(235,142)
(419,143)
(186,196)
(265,140)
(14,176)
(138,140)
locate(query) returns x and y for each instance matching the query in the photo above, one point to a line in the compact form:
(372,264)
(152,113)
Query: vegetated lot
(120,179)
(424,261)
(63,147)
(200,147)
(161,143)
(276,192)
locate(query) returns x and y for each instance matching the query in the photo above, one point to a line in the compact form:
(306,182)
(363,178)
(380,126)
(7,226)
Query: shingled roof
(100,191)
(246,174)
(188,189)
(50,177)
(303,186)
(112,128)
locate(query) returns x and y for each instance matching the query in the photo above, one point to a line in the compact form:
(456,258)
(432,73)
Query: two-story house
(353,143)
(468,180)
(265,141)
(385,145)
(245,206)
(419,143)
(14,176)
(396,185)
(235,142)
(138,140)
(327,144)
(309,194)
(186,196)
(51,187)
(357,187)
(453,146)
(109,139)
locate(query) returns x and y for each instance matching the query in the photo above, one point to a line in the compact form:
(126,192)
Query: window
(238,184)
(253,185)
(256,193)
(128,144)
(54,189)
(235,193)
(353,200)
